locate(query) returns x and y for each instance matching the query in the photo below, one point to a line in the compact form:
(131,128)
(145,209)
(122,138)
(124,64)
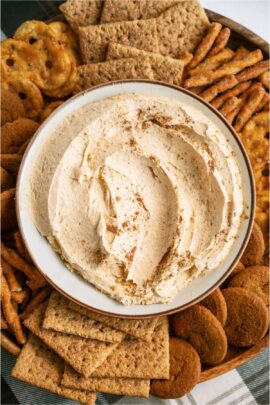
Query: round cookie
(201,328)
(7,180)
(255,279)
(255,247)
(14,134)
(8,213)
(11,107)
(247,319)
(216,303)
(185,370)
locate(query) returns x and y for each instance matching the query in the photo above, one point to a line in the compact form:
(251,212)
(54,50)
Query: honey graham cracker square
(164,68)
(94,39)
(135,387)
(40,366)
(138,328)
(84,355)
(181,28)
(129,10)
(59,317)
(98,73)
(80,13)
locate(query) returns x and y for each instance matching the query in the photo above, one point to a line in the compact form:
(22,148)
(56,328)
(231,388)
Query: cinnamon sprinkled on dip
(139,195)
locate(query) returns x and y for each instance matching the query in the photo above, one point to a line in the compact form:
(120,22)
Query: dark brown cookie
(201,328)
(216,303)
(255,279)
(11,107)
(247,319)
(7,180)
(8,213)
(185,370)
(255,247)
(14,134)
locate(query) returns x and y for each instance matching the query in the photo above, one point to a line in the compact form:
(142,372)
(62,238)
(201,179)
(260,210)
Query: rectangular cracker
(95,39)
(80,13)
(139,328)
(98,73)
(181,28)
(40,366)
(134,387)
(164,68)
(129,10)
(84,355)
(139,359)
(59,317)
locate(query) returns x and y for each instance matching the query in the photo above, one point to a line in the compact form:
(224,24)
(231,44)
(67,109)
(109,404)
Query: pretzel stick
(4,324)
(221,41)
(21,247)
(249,108)
(206,44)
(235,91)
(19,296)
(9,345)
(263,103)
(41,295)
(223,84)
(264,78)
(229,68)
(11,315)
(26,299)
(36,282)
(229,105)
(231,116)
(8,271)
(266,107)
(186,57)
(213,62)
(240,53)
(253,71)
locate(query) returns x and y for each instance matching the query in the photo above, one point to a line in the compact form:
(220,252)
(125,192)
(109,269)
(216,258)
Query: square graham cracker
(80,13)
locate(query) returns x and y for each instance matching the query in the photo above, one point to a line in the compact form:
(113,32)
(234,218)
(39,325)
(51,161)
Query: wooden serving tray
(240,36)
(236,357)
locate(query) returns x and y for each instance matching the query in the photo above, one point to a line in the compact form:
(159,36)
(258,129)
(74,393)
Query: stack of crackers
(61,346)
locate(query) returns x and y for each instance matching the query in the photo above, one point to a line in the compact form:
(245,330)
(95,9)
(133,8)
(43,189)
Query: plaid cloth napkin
(246,385)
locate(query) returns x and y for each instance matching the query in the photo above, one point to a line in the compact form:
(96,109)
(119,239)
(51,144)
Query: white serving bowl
(75,287)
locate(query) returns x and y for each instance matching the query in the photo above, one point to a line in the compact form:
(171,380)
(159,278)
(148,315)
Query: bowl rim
(250,219)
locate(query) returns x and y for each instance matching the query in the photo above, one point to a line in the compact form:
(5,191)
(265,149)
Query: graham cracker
(181,28)
(164,68)
(84,355)
(59,317)
(134,387)
(139,359)
(98,73)
(129,10)
(139,328)
(95,39)
(80,13)
(40,366)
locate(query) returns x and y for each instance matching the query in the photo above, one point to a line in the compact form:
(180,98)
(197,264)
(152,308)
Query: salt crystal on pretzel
(9,345)
(221,41)
(206,44)
(229,105)
(249,108)
(235,91)
(223,84)
(253,71)
(212,62)
(10,313)
(229,68)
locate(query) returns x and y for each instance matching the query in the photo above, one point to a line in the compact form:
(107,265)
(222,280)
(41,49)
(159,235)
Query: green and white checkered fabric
(247,385)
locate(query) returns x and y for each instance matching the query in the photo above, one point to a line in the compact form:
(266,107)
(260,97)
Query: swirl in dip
(139,195)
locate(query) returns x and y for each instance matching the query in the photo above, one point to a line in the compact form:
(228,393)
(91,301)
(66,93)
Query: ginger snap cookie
(255,247)
(11,107)
(216,303)
(185,369)
(14,134)
(201,328)
(247,319)
(255,279)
